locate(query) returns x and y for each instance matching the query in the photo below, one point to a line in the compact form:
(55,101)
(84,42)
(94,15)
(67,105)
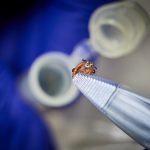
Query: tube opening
(112,33)
(54,80)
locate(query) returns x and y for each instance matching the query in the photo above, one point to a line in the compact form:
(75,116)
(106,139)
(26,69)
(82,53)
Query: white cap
(117,29)
(49,80)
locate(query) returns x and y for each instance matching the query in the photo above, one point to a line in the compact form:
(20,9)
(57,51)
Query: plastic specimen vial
(117,29)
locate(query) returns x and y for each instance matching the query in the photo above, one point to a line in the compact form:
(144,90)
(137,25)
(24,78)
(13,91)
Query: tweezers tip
(98,90)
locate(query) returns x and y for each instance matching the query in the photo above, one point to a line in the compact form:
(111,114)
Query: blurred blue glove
(21,127)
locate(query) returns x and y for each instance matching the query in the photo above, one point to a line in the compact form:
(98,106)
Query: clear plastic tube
(116,29)
(48,81)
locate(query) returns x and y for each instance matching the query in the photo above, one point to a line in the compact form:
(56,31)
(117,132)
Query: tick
(85,67)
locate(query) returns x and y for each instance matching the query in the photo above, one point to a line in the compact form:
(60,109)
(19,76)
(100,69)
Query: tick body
(85,67)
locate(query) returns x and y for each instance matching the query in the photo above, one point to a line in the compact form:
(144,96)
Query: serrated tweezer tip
(98,90)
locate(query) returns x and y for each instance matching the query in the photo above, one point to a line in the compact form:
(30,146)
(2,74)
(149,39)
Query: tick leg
(73,69)
(93,71)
